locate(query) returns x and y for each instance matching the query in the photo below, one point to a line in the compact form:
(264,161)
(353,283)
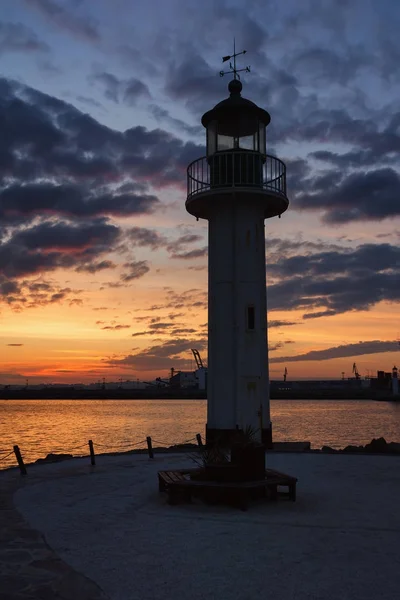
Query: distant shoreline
(163,394)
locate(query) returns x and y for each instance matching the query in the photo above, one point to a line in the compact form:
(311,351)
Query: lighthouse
(236,186)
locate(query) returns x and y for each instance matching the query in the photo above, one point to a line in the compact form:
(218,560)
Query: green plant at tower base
(211,455)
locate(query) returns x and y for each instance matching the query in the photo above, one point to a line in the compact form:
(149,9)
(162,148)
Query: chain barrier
(7,455)
(174,443)
(127,445)
(123,446)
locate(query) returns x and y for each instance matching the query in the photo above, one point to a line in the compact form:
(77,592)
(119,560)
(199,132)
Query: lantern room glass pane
(248,142)
(226,142)
(261,138)
(211,138)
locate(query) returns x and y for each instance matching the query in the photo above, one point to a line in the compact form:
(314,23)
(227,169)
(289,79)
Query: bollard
(149,447)
(20,460)
(199,440)
(92,457)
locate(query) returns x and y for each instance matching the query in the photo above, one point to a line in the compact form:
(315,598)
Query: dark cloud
(144,237)
(333,282)
(178,247)
(16,37)
(18,201)
(184,331)
(65,161)
(277,323)
(139,60)
(116,327)
(95,267)
(136,269)
(58,163)
(345,351)
(200,253)
(15,345)
(48,246)
(31,293)
(362,196)
(76,302)
(127,90)
(161,114)
(63,18)
(325,65)
(89,101)
(162,356)
(135,90)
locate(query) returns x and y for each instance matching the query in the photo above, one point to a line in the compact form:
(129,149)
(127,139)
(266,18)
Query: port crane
(197,358)
(355,371)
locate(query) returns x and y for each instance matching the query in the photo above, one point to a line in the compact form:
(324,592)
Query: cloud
(128,90)
(161,356)
(336,281)
(63,17)
(16,345)
(63,176)
(178,248)
(116,327)
(361,196)
(199,253)
(18,201)
(136,269)
(49,246)
(95,267)
(161,114)
(31,293)
(326,65)
(344,351)
(144,237)
(16,37)
(280,323)
(49,149)
(135,90)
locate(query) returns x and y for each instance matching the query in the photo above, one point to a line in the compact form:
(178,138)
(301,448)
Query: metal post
(20,460)
(150,447)
(92,457)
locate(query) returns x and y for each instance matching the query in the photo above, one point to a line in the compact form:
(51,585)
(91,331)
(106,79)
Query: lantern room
(235,124)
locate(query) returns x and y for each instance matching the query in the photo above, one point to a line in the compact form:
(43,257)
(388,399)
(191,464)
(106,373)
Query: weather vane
(234,70)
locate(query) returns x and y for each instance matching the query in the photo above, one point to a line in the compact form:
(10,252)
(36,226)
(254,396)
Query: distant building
(184,380)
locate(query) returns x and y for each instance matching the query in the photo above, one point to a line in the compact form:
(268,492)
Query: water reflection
(43,426)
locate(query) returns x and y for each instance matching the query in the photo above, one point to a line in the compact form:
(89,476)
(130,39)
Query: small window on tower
(250,317)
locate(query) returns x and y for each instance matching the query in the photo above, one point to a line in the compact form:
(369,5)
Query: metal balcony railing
(236,168)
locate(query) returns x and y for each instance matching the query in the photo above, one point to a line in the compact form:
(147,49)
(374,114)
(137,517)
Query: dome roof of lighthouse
(236,111)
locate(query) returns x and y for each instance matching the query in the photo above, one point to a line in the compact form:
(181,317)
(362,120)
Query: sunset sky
(103,273)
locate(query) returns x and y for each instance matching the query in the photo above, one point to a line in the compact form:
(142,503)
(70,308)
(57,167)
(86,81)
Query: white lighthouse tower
(236,186)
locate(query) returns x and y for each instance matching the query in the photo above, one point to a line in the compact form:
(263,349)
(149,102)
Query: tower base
(225,437)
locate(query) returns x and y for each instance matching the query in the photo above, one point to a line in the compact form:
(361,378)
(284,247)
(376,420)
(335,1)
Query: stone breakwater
(376,446)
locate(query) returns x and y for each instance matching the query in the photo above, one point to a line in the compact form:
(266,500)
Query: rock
(377,446)
(353,449)
(292,446)
(50,458)
(394,447)
(328,449)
